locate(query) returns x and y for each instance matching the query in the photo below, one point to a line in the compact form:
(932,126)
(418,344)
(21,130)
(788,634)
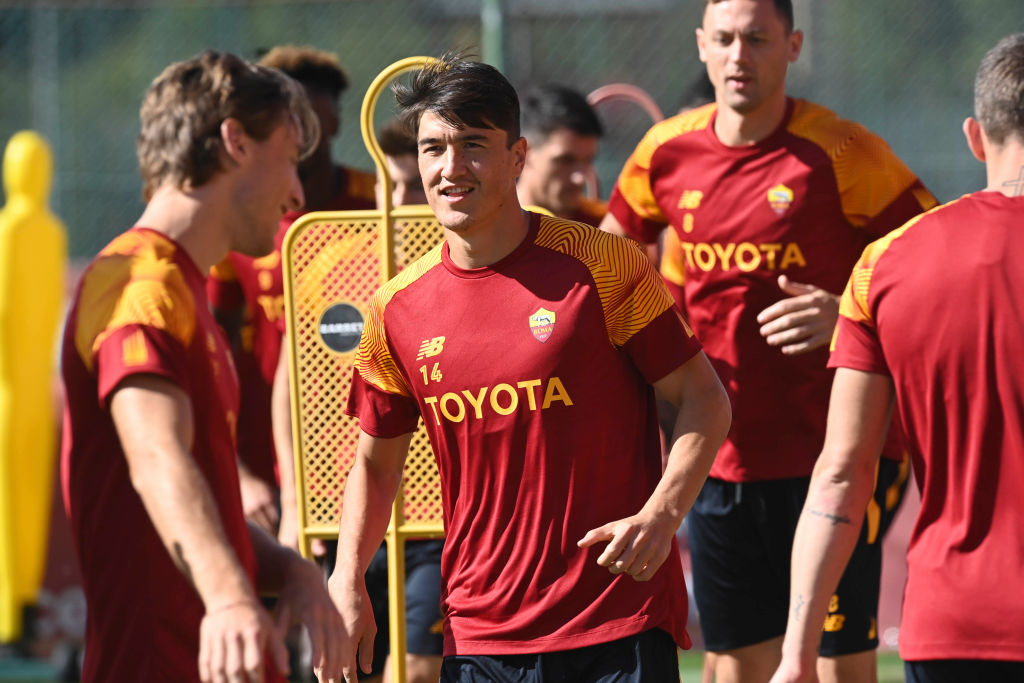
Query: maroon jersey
(252,289)
(938,306)
(140,309)
(802,202)
(533,377)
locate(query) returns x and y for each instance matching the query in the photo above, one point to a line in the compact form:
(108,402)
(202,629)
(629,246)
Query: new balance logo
(430,348)
(690,199)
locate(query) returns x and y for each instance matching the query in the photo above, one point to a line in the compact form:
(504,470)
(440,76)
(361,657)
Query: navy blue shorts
(963,671)
(642,658)
(423,625)
(741,539)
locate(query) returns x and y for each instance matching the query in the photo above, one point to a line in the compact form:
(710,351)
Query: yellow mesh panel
(332,258)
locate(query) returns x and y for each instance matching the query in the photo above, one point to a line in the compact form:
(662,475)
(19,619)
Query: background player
(170,568)
(520,472)
(772,199)
(906,335)
(247,295)
(423,621)
(562,131)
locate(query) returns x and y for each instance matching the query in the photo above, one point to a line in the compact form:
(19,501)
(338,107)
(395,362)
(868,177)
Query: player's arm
(370,491)
(302,598)
(281,423)
(639,545)
(842,483)
(258,499)
(153,417)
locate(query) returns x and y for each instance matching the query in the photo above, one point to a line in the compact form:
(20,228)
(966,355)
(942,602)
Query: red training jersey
(803,202)
(533,377)
(140,309)
(252,290)
(938,306)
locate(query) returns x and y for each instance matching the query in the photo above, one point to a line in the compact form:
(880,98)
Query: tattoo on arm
(799,606)
(1016,186)
(179,552)
(835,519)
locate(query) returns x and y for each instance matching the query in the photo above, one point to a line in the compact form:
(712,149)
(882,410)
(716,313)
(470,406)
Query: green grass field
(890,667)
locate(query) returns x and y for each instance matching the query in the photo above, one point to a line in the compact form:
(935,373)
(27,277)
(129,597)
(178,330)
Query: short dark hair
(396,139)
(462,93)
(999,90)
(783,7)
(317,70)
(180,140)
(547,108)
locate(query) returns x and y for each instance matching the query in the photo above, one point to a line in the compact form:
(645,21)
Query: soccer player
(562,131)
(400,151)
(170,567)
(772,199)
(533,348)
(247,295)
(931,322)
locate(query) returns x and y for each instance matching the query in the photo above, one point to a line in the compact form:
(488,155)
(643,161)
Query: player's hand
(259,501)
(304,599)
(791,670)
(232,640)
(288,529)
(801,323)
(637,545)
(353,602)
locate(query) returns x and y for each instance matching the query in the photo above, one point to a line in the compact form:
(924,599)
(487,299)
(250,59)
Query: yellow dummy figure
(33,255)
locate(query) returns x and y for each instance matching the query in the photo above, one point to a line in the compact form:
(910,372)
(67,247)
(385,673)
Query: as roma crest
(780,198)
(542,324)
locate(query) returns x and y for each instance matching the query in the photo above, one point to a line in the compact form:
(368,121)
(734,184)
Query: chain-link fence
(76,71)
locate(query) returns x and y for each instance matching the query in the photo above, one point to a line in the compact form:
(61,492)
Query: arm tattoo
(835,519)
(179,553)
(1017,185)
(799,606)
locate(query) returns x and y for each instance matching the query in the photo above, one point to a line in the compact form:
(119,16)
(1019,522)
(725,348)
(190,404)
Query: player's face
(747,49)
(326,109)
(469,174)
(408,185)
(268,188)
(556,170)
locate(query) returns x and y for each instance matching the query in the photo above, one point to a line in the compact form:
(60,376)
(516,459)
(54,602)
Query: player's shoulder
(360,184)
(407,277)
(137,279)
(592,210)
(595,248)
(835,135)
(912,232)
(674,128)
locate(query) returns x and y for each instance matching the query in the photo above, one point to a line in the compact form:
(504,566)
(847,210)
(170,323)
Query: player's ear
(796,42)
(518,148)
(234,139)
(701,46)
(975,138)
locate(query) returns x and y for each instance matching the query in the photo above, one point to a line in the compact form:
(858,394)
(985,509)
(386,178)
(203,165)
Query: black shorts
(641,658)
(423,626)
(741,539)
(963,670)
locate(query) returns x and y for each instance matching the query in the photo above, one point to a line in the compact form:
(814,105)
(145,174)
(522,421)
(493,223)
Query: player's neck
(488,241)
(320,179)
(1005,170)
(737,129)
(191,219)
